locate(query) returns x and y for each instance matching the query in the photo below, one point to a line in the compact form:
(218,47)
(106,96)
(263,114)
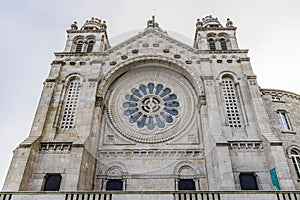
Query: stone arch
(291,148)
(178,66)
(72,76)
(211,35)
(90,37)
(186,168)
(228,74)
(77,38)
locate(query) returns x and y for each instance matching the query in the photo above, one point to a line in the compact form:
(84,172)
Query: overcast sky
(32,30)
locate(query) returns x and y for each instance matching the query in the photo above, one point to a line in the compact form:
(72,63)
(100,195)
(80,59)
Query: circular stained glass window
(151,106)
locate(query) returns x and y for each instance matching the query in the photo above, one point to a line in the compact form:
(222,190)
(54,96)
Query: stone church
(155,118)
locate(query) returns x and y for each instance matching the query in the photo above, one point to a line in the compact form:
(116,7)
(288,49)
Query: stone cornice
(280,92)
(78,54)
(168,153)
(246,145)
(216,28)
(224,51)
(110,51)
(86,31)
(55,147)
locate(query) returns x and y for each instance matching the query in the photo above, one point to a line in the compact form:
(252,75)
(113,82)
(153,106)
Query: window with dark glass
(90,46)
(248,182)
(79,46)
(114,184)
(212,45)
(296,161)
(186,184)
(52,182)
(223,44)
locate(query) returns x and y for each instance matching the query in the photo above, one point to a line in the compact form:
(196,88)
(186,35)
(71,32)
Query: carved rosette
(151,104)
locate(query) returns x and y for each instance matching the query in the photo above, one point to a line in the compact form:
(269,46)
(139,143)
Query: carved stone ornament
(151,104)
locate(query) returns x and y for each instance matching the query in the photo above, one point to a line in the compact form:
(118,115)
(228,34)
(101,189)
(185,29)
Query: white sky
(32,30)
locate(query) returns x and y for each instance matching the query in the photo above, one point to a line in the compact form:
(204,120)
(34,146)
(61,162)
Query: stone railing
(155,195)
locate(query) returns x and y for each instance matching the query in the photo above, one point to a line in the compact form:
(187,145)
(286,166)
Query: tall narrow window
(223,44)
(70,107)
(248,181)
(114,184)
(90,46)
(52,182)
(79,46)
(296,161)
(186,184)
(284,120)
(212,45)
(231,103)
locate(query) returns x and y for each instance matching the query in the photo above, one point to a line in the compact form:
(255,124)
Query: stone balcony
(154,195)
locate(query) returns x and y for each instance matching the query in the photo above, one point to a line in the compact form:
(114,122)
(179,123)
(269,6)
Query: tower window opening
(90,46)
(223,44)
(79,46)
(248,181)
(296,161)
(212,44)
(52,182)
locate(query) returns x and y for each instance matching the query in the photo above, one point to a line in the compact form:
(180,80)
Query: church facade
(154,116)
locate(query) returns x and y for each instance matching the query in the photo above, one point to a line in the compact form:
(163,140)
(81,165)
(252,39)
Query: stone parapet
(157,195)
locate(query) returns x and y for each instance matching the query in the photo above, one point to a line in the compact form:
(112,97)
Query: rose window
(151,106)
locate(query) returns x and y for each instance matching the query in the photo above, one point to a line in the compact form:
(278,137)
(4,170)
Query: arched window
(296,161)
(70,107)
(79,46)
(186,178)
(114,179)
(284,121)
(212,44)
(52,182)
(90,46)
(223,44)
(231,103)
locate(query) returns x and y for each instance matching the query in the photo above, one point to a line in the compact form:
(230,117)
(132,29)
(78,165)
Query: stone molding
(144,59)
(246,145)
(55,147)
(155,176)
(278,92)
(157,76)
(168,153)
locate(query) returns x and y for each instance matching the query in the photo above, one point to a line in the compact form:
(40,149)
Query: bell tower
(91,37)
(211,35)
(61,148)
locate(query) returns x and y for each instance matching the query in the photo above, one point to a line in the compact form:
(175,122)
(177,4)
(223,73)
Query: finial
(229,23)
(199,23)
(74,26)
